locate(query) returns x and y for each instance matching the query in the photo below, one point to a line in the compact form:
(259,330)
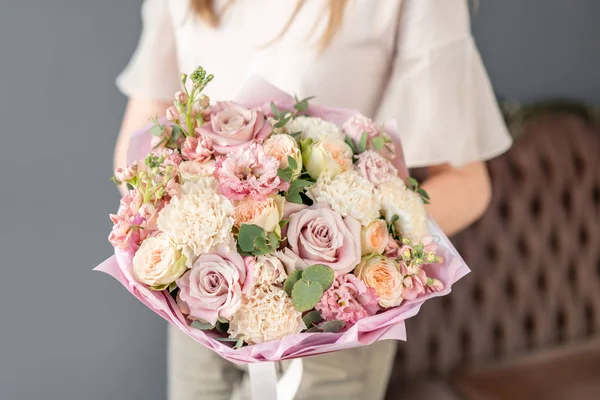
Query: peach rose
(374,237)
(264,213)
(383,275)
(281,147)
(328,155)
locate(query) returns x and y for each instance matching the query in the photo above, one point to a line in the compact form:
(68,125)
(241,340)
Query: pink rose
(348,300)
(358,124)
(232,125)
(197,148)
(212,288)
(319,235)
(375,168)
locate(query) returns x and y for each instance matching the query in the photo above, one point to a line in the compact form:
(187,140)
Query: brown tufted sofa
(526,322)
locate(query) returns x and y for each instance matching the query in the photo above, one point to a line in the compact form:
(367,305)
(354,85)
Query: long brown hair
(205,9)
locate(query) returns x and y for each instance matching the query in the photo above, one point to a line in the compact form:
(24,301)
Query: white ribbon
(263,380)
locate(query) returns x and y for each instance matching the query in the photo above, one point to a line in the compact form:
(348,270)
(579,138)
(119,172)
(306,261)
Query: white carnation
(313,128)
(267,315)
(349,194)
(398,200)
(198,219)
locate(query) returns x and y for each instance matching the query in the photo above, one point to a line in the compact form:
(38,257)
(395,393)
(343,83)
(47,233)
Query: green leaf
(302,105)
(313,329)
(332,326)
(301,183)
(260,243)
(283,121)
(350,144)
(312,318)
(291,280)
(172,286)
(362,144)
(273,241)
(378,143)
(285,173)
(319,273)
(423,193)
(413,183)
(130,187)
(203,326)
(295,135)
(283,222)
(157,130)
(395,218)
(294,197)
(306,295)
(292,162)
(239,343)
(275,110)
(226,339)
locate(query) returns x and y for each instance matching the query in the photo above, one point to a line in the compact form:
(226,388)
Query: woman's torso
(351,72)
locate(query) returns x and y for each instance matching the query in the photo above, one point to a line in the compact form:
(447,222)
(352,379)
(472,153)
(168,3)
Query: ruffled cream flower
(349,194)
(314,128)
(398,200)
(198,219)
(267,315)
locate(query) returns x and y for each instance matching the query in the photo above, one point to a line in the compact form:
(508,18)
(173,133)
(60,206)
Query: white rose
(313,128)
(281,147)
(328,156)
(398,200)
(264,213)
(158,263)
(349,194)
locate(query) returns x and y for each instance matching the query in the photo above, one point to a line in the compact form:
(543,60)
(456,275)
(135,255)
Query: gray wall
(70,334)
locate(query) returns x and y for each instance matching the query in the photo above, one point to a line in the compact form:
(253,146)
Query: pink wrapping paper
(387,325)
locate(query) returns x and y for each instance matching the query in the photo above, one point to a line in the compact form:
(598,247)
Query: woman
(412,60)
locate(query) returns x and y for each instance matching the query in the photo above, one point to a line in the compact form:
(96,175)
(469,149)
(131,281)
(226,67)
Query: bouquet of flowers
(269,228)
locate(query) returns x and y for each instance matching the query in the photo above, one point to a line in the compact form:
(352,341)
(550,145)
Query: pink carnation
(197,148)
(375,168)
(348,300)
(248,172)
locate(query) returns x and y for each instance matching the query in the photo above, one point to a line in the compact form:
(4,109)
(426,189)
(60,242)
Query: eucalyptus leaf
(226,339)
(332,326)
(274,109)
(291,280)
(292,162)
(412,182)
(285,174)
(306,295)
(312,318)
(319,273)
(203,326)
(395,218)
(294,197)
(301,183)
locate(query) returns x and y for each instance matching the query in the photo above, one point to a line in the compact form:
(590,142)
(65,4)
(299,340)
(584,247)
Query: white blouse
(411,60)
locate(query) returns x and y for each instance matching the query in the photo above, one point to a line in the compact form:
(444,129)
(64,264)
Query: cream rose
(158,263)
(383,275)
(374,237)
(329,155)
(281,147)
(264,213)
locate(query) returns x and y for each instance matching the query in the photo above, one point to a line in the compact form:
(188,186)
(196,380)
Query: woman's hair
(205,9)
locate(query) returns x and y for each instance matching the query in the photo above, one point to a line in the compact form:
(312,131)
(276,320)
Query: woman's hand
(137,114)
(459,196)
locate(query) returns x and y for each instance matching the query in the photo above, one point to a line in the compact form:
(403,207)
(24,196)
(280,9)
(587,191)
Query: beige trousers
(197,373)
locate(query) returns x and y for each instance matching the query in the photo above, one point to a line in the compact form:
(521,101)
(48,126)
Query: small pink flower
(181,97)
(434,285)
(133,222)
(197,148)
(172,114)
(414,285)
(171,157)
(124,175)
(248,172)
(348,300)
(233,125)
(375,168)
(358,124)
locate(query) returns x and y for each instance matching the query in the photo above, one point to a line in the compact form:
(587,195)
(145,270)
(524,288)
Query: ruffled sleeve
(439,92)
(152,72)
